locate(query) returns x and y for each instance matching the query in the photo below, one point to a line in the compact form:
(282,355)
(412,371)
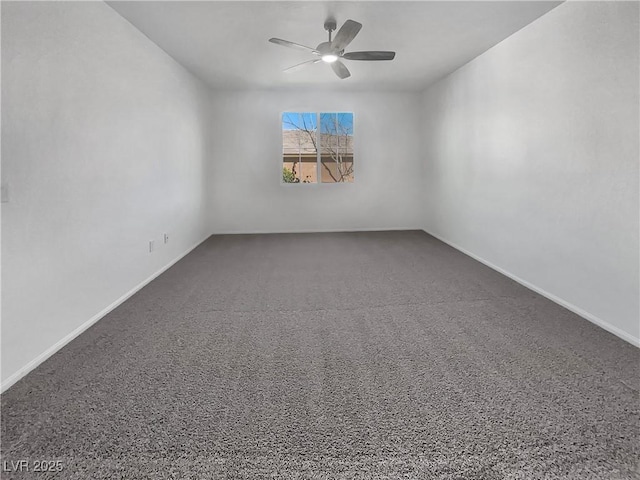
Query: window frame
(318,113)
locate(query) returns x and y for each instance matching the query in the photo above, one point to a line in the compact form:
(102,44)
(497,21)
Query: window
(317,147)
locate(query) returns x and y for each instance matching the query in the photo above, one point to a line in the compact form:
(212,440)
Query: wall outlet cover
(4,195)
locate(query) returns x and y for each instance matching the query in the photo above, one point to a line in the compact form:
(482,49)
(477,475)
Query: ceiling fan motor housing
(325,48)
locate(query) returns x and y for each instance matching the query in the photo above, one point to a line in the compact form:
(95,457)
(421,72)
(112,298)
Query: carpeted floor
(332,356)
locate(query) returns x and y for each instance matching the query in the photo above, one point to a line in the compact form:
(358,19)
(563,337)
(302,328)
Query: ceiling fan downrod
(330,26)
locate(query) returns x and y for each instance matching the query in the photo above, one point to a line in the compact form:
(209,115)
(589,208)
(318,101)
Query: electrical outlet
(4,196)
(166,238)
(151,245)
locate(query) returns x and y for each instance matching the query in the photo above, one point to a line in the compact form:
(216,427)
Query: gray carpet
(332,356)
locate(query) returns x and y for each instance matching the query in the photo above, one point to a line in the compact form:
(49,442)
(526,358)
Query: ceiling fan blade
(373,55)
(347,32)
(287,43)
(300,66)
(340,69)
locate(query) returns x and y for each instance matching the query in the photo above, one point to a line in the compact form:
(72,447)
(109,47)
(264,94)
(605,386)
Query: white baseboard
(563,303)
(61,343)
(331,230)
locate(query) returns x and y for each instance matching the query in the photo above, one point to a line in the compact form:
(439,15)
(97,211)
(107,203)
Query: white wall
(532,159)
(104,147)
(246,190)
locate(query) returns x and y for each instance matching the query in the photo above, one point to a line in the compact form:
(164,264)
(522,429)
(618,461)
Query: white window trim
(318,152)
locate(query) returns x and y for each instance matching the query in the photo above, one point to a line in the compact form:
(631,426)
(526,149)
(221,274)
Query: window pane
(299,152)
(336,147)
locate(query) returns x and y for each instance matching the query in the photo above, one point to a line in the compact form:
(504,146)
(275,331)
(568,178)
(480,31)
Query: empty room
(320,240)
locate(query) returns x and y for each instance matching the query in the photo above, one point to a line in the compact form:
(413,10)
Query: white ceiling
(226,43)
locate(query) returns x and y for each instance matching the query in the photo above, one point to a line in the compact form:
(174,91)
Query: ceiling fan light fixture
(329,58)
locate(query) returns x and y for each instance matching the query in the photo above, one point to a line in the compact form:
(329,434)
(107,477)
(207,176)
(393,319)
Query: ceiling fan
(332,52)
